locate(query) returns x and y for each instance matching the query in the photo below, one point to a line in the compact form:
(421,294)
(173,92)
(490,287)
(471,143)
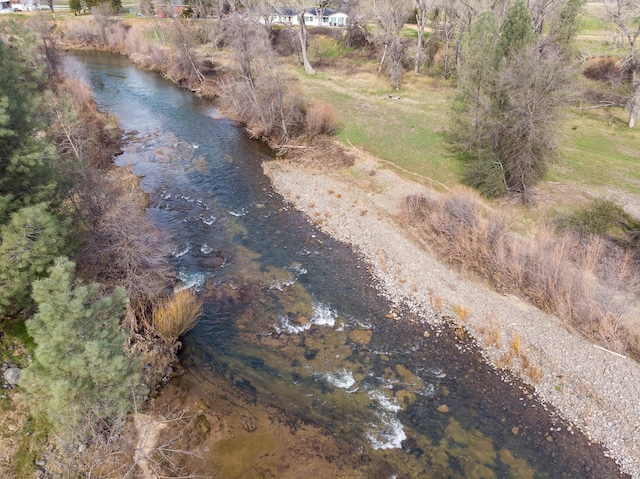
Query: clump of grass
(177,315)
(435,302)
(321,118)
(535,373)
(516,345)
(461,312)
(585,280)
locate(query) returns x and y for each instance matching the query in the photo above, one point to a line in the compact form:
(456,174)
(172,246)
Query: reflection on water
(292,320)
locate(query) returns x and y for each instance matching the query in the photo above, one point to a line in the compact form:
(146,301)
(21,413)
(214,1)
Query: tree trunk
(634,101)
(422,19)
(303,36)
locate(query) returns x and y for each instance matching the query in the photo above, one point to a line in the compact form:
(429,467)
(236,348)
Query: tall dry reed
(177,315)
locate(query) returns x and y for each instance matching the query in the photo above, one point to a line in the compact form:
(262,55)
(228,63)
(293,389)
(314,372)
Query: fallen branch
(607,350)
(603,104)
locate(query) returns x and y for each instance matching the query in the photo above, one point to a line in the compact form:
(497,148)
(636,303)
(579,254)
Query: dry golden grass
(588,283)
(461,312)
(176,315)
(516,345)
(321,118)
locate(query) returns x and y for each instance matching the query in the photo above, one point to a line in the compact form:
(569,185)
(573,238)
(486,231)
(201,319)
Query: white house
(312,17)
(330,18)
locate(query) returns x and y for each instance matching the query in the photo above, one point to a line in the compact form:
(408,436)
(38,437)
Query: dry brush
(587,282)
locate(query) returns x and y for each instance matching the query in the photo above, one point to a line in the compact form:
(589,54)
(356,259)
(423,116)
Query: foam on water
(388,436)
(389,432)
(190,280)
(280,285)
(342,379)
(389,404)
(287,327)
(323,315)
(239,213)
(206,249)
(178,254)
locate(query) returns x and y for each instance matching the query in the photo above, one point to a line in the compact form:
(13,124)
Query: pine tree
(517,31)
(27,157)
(29,244)
(79,368)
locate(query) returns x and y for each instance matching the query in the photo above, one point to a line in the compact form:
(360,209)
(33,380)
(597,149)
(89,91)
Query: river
(293,322)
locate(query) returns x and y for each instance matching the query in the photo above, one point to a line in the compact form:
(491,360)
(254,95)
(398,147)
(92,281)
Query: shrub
(586,281)
(606,69)
(176,315)
(322,118)
(284,41)
(598,217)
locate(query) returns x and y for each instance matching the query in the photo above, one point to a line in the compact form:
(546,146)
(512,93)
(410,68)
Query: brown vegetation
(122,247)
(176,315)
(88,135)
(587,282)
(606,69)
(322,118)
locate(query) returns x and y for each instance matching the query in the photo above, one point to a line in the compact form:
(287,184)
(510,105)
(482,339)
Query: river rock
(361,336)
(405,398)
(302,321)
(443,408)
(12,376)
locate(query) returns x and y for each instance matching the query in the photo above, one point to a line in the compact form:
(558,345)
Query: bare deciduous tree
(391,16)
(259,96)
(300,8)
(624,15)
(423,7)
(123,247)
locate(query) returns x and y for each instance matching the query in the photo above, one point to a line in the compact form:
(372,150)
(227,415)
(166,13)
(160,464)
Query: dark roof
(327,11)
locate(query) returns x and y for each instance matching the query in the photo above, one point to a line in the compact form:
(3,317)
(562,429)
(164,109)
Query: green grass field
(597,151)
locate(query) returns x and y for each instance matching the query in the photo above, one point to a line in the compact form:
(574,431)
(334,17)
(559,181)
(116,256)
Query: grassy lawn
(598,154)
(407,131)
(598,149)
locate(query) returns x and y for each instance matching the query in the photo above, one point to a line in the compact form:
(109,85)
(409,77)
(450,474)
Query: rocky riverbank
(595,390)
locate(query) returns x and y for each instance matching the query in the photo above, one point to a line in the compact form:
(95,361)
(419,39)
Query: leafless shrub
(184,68)
(606,69)
(81,34)
(414,208)
(588,283)
(284,41)
(83,132)
(176,315)
(322,118)
(122,247)
(268,106)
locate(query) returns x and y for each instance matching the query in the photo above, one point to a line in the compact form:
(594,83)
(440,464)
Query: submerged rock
(360,336)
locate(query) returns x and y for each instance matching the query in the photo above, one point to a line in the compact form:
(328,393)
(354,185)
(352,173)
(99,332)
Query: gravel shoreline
(595,390)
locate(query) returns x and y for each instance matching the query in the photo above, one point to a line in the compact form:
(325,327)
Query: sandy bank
(595,390)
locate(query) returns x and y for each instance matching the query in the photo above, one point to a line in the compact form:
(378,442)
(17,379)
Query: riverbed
(298,356)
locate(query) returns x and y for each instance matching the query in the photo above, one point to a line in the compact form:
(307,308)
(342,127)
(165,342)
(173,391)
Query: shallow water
(293,321)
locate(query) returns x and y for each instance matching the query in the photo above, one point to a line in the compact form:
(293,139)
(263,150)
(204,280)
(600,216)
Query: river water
(292,318)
